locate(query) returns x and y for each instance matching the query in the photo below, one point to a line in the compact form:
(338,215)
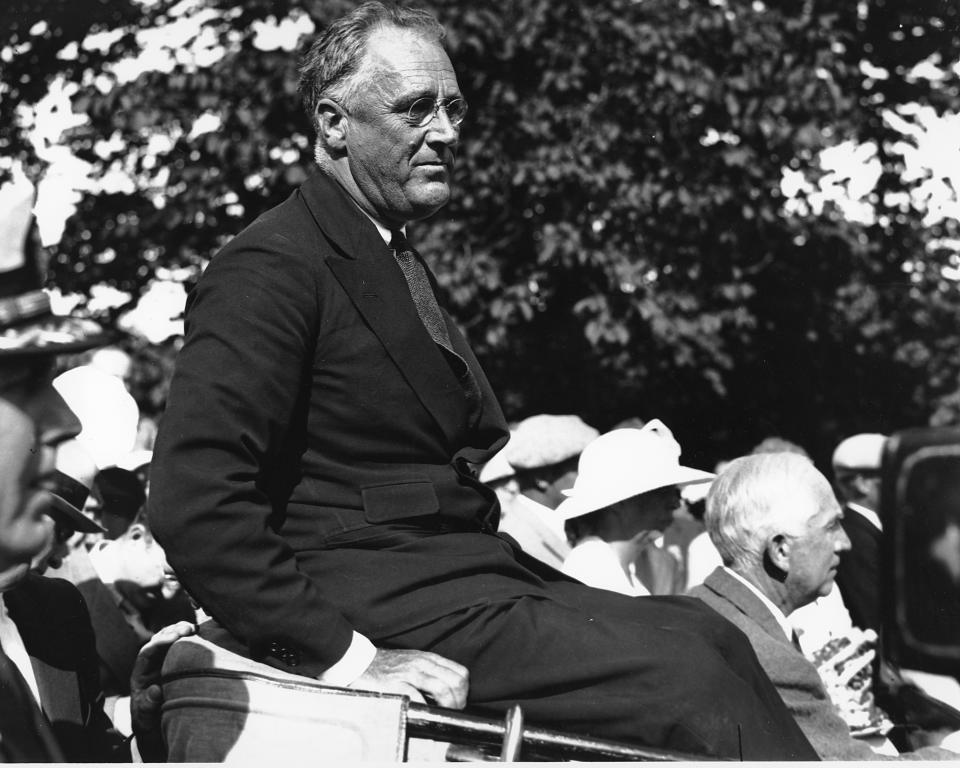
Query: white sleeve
(352,664)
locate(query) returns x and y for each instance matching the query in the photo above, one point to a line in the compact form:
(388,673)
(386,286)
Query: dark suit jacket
(311,418)
(25,734)
(858,576)
(53,621)
(795,678)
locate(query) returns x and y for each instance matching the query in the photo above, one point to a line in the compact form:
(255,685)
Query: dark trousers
(665,672)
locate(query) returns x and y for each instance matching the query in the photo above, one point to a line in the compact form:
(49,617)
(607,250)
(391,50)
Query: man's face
(142,573)
(815,551)
(402,171)
(33,420)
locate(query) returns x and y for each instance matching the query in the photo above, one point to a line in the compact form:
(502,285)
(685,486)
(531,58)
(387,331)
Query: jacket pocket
(382,503)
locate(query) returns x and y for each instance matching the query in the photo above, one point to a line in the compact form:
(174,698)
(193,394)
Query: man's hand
(417,674)
(146,695)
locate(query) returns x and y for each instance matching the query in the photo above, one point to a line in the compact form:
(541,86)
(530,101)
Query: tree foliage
(618,243)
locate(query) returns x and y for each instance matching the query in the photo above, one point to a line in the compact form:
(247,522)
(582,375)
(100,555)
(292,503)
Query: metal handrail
(425,721)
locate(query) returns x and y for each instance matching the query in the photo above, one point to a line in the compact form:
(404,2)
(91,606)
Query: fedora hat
(624,463)
(70,485)
(28,326)
(69,497)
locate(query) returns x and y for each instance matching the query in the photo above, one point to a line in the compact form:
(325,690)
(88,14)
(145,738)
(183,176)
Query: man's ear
(864,484)
(778,551)
(331,123)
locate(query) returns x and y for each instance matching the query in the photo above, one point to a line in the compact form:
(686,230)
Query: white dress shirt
(595,563)
(13,646)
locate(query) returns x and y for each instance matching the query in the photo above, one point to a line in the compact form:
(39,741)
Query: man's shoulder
(45,601)
(287,227)
(46,589)
(732,600)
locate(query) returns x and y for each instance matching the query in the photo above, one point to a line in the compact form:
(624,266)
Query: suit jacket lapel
(375,284)
(46,642)
(725,585)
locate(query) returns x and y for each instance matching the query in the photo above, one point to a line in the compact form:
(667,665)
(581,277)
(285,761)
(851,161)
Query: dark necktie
(415,273)
(424,299)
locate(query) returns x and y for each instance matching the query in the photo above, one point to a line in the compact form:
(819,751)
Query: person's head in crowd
(627,486)
(66,519)
(543,452)
(107,411)
(775,521)
(138,462)
(395,162)
(856,469)
(775,444)
(118,496)
(34,419)
(136,566)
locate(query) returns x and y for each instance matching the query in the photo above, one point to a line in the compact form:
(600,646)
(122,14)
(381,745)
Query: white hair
(755,497)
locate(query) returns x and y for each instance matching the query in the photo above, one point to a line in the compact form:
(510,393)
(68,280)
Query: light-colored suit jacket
(794,676)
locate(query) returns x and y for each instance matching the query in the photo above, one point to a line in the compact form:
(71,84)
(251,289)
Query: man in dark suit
(777,526)
(312,482)
(50,702)
(856,475)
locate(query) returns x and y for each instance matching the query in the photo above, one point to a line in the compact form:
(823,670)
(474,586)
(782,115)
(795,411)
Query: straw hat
(28,326)
(624,463)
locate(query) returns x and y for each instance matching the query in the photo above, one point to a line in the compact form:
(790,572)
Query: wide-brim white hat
(624,463)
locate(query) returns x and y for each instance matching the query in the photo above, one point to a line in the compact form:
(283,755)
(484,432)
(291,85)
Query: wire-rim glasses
(426,108)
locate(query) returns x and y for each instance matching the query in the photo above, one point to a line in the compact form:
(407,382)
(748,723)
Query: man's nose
(843,542)
(441,129)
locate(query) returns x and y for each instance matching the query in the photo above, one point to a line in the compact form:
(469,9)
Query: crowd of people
(338,491)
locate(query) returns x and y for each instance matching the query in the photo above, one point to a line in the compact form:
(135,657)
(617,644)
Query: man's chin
(428,198)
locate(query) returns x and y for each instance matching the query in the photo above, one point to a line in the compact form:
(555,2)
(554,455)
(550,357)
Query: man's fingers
(147,665)
(446,690)
(442,680)
(448,664)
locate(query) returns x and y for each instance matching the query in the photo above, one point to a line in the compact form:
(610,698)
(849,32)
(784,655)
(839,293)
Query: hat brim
(585,501)
(34,351)
(68,514)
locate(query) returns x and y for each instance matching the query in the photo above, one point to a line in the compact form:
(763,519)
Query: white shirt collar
(384,231)
(779,615)
(868,514)
(12,644)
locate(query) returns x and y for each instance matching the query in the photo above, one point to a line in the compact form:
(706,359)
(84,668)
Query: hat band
(26,306)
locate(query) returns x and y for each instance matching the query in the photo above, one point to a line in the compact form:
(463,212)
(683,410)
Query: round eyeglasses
(424,109)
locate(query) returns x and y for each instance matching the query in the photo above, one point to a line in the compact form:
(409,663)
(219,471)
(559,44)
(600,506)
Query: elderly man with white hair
(777,525)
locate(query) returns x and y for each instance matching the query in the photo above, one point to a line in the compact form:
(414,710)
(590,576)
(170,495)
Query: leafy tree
(619,243)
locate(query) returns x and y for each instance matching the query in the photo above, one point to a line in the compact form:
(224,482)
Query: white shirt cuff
(352,664)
